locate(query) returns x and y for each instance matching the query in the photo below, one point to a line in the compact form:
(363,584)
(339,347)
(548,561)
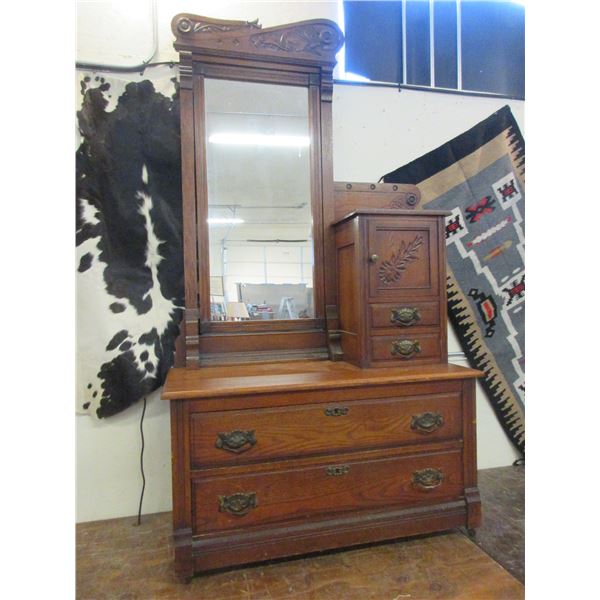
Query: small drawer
(406,347)
(235,437)
(404,315)
(333,486)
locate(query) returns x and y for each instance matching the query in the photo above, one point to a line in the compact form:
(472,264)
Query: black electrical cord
(139,519)
(116,69)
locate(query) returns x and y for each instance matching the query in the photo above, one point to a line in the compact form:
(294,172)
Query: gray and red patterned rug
(479,177)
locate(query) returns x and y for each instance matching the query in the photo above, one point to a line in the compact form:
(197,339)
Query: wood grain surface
(336,426)
(340,484)
(307,375)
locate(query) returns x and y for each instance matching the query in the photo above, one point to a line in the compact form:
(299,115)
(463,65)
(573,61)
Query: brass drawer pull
(238,504)
(337,470)
(235,441)
(405,348)
(405,316)
(373,258)
(336,411)
(427,479)
(427,422)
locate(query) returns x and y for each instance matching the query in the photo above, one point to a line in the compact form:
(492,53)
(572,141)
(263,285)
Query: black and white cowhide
(129,260)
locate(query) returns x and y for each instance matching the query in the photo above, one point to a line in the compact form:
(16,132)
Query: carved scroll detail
(391,270)
(397,202)
(314,39)
(403,201)
(187,25)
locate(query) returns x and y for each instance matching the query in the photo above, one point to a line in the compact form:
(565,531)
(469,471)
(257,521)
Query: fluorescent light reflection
(225,221)
(255,139)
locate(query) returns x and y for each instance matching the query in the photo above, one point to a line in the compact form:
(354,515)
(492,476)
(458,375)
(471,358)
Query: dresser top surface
(208,382)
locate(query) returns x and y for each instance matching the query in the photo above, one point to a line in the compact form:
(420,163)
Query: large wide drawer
(335,486)
(228,437)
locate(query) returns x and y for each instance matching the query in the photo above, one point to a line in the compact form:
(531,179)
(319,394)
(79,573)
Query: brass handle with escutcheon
(427,479)
(235,441)
(405,348)
(426,422)
(336,411)
(405,316)
(239,504)
(337,470)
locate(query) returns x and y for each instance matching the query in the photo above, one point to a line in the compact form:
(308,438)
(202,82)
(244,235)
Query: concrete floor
(502,533)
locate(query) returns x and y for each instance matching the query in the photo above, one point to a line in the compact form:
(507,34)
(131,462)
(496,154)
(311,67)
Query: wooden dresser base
(285,481)
(229,549)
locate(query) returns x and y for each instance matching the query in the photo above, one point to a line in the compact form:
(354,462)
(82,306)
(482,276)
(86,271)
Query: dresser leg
(184,562)
(473,501)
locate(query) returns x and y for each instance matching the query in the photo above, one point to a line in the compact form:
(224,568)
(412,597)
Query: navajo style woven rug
(479,177)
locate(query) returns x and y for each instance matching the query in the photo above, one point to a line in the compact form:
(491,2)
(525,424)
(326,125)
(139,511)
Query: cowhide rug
(130,268)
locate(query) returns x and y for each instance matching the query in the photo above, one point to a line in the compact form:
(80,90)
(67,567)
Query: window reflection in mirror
(259,202)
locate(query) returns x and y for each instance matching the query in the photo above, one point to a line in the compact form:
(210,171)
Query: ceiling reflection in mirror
(259,201)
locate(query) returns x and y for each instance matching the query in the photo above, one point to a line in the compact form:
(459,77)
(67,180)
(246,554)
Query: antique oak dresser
(312,405)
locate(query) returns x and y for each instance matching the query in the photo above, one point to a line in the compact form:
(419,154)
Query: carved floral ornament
(391,270)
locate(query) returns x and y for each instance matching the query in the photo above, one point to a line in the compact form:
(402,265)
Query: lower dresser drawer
(405,347)
(351,483)
(237,436)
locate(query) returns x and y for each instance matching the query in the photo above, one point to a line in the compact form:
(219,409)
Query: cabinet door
(403,258)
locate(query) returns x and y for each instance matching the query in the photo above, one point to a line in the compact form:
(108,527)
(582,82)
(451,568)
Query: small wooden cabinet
(391,267)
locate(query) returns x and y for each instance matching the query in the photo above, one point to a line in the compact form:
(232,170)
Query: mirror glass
(259,201)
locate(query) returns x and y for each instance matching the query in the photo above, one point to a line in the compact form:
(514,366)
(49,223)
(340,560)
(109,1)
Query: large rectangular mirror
(259,201)
(257,183)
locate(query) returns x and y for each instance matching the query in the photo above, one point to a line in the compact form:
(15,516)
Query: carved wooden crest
(314,41)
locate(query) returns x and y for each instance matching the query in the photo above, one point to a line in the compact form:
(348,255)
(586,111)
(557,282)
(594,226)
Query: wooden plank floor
(118,560)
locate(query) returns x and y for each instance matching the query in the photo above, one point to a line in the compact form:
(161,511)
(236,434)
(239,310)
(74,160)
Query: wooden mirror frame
(297,54)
